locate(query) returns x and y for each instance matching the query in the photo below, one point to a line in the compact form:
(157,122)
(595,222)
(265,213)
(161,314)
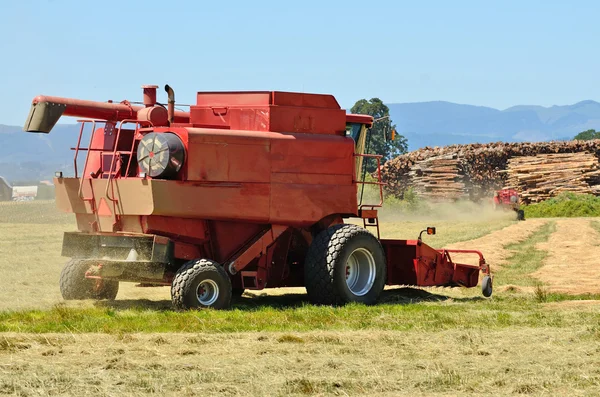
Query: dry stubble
(455,362)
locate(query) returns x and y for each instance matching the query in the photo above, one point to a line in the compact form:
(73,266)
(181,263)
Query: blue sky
(491,53)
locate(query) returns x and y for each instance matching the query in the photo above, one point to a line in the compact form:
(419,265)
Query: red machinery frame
(264,173)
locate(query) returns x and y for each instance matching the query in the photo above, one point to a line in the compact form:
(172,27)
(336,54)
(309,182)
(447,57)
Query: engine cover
(161,155)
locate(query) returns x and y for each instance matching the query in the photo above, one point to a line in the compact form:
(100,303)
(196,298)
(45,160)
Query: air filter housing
(161,155)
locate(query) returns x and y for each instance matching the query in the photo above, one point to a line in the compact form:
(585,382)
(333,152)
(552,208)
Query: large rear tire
(74,285)
(345,263)
(201,283)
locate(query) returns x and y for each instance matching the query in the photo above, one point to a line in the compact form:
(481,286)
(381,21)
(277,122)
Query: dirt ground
(573,262)
(493,245)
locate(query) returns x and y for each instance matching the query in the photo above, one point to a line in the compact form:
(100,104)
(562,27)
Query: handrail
(379,183)
(80,190)
(137,123)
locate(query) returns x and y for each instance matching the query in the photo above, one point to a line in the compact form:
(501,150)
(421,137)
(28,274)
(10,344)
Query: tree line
(587,135)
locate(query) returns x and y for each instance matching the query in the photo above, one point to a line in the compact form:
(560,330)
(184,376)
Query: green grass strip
(526,259)
(429,312)
(565,205)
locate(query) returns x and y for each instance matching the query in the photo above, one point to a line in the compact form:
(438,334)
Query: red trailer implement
(247,190)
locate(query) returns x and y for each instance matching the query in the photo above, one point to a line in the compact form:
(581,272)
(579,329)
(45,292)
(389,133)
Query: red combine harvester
(508,200)
(247,190)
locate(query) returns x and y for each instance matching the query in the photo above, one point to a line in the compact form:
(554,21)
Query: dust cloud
(462,211)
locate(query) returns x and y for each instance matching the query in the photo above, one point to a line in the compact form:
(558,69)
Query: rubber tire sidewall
(339,273)
(325,269)
(487,286)
(190,275)
(74,285)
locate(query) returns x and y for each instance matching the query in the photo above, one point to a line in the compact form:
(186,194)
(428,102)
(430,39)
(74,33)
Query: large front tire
(201,283)
(345,263)
(74,285)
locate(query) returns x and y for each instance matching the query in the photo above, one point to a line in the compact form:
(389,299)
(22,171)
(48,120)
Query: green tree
(588,135)
(377,144)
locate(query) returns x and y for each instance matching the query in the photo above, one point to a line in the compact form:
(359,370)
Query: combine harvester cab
(246,190)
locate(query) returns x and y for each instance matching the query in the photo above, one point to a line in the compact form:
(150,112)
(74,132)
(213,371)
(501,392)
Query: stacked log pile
(546,175)
(438,177)
(478,167)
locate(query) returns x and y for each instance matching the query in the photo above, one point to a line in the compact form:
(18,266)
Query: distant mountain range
(444,123)
(27,156)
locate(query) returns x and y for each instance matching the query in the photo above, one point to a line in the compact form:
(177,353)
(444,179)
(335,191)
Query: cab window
(353,130)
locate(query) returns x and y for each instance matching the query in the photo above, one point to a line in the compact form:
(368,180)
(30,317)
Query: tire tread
(320,263)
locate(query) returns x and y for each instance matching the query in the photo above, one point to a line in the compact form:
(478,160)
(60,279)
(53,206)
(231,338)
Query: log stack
(546,175)
(478,169)
(437,178)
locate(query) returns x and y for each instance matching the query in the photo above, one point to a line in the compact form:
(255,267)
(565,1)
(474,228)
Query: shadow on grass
(254,300)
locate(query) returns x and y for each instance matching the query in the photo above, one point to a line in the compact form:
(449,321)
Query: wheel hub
(207,292)
(360,271)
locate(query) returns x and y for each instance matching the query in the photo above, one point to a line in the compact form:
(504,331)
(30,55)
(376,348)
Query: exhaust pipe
(171,104)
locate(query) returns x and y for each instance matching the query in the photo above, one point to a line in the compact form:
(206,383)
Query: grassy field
(529,339)
(565,205)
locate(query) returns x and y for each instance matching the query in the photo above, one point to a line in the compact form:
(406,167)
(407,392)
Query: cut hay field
(538,335)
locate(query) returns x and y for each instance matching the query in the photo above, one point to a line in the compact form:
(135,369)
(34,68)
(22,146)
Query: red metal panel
(229,160)
(234,98)
(313,154)
(414,263)
(431,267)
(261,98)
(229,237)
(400,267)
(257,248)
(183,229)
(301,99)
(251,119)
(308,120)
(188,251)
(304,205)
(310,179)
(218,201)
(277,111)
(360,119)
(466,275)
(225,137)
